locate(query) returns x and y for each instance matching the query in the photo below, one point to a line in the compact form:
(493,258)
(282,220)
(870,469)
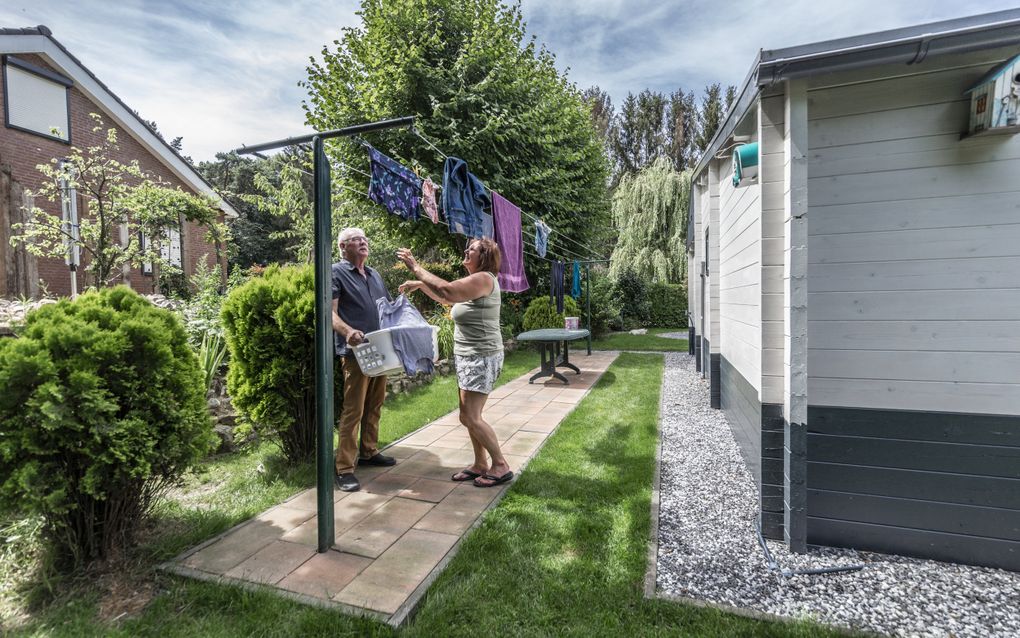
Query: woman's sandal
(496,480)
(465,475)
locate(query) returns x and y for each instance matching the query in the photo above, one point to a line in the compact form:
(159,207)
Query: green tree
(650,216)
(710,116)
(121,201)
(681,129)
(483,91)
(259,235)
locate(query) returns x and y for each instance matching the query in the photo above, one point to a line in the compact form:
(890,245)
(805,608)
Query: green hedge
(541,313)
(270,326)
(102,408)
(667,306)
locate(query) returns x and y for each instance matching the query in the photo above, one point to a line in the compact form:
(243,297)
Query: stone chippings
(708,549)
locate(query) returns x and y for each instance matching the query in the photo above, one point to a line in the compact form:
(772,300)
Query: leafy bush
(102,408)
(541,313)
(270,328)
(667,306)
(201,312)
(442,319)
(605,305)
(632,295)
(511,315)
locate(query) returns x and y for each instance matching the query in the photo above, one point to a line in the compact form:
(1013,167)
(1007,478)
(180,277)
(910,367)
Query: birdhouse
(995,100)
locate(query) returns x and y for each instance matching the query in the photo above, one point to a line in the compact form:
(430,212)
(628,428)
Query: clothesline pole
(324,311)
(587,299)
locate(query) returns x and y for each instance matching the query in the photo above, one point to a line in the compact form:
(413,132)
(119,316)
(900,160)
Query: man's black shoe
(347,483)
(378,459)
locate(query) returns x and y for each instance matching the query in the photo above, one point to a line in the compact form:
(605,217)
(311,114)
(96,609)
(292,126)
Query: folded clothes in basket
(410,333)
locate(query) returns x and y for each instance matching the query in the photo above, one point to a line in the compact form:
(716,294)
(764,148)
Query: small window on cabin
(982,104)
(36,100)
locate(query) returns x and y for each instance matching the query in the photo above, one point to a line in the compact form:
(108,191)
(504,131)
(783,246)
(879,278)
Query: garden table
(549,340)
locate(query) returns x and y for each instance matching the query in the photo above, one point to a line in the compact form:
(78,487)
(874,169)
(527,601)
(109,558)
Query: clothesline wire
(553,230)
(533,217)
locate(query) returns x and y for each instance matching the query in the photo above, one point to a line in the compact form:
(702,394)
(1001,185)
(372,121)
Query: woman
(477,348)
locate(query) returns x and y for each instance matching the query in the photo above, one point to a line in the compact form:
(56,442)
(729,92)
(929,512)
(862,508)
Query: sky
(225,73)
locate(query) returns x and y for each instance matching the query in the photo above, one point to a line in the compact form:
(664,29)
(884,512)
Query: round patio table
(549,340)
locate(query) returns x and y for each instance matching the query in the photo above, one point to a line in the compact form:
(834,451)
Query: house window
(36,100)
(171,249)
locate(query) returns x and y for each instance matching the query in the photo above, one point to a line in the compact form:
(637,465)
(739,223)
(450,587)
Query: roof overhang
(37,41)
(910,45)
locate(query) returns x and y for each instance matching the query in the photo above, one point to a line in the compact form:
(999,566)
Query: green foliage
(605,305)
(442,319)
(632,295)
(102,409)
(541,313)
(667,306)
(258,235)
(117,195)
(483,91)
(210,356)
(270,328)
(511,315)
(650,213)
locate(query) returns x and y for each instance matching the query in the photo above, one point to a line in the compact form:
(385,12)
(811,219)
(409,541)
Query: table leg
(550,352)
(565,359)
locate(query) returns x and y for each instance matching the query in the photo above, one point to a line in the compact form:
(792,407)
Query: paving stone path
(395,535)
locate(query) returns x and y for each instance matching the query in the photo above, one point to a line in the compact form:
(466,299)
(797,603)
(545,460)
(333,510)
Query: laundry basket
(377,357)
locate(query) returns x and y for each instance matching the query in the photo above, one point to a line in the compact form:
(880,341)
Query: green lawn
(563,553)
(650,342)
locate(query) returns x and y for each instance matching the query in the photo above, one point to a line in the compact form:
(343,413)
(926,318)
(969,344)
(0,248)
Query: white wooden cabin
(856,306)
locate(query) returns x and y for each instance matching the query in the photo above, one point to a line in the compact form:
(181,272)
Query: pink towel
(506,223)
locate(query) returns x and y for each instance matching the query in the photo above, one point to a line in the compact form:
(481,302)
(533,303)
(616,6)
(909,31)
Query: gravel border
(708,549)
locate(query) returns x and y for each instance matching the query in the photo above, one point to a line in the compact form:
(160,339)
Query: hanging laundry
(556,285)
(464,198)
(575,290)
(428,200)
(410,333)
(541,237)
(486,230)
(506,221)
(393,186)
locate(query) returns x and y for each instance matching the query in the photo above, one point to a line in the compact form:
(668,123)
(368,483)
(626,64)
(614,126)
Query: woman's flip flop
(465,475)
(496,480)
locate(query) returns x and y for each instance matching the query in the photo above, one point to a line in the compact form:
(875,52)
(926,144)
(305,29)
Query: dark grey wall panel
(946,427)
(904,512)
(714,382)
(938,485)
(957,548)
(982,491)
(987,460)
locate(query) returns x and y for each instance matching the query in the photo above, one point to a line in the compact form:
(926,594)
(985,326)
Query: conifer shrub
(270,328)
(541,313)
(102,409)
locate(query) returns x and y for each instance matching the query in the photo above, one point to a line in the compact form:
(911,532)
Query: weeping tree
(650,215)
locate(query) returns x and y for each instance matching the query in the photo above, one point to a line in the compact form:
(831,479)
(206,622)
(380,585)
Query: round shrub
(270,327)
(541,313)
(102,408)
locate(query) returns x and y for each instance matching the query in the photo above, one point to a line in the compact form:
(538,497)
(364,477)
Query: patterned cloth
(428,200)
(478,374)
(393,186)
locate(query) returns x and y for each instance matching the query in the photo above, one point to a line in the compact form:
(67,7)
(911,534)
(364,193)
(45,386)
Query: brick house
(45,88)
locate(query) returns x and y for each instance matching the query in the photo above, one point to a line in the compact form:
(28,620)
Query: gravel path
(708,549)
(674,335)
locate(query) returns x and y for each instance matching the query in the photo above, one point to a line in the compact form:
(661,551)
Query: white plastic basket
(377,357)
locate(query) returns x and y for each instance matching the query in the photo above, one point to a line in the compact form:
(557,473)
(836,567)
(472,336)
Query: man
(355,289)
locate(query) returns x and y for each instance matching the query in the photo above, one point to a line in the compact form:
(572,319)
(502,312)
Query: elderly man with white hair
(355,290)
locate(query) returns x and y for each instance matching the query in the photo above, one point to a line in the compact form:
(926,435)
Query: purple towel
(506,223)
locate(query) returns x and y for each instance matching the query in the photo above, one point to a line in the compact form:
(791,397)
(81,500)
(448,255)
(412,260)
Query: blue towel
(575,290)
(411,334)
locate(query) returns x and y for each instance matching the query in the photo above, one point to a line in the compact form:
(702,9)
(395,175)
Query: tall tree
(710,116)
(483,91)
(650,216)
(603,118)
(681,129)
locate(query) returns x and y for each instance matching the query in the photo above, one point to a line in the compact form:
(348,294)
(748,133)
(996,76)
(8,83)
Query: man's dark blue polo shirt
(356,297)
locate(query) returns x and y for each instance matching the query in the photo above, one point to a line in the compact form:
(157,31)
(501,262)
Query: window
(171,249)
(36,100)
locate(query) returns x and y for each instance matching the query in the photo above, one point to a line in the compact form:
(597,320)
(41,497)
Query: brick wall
(24,151)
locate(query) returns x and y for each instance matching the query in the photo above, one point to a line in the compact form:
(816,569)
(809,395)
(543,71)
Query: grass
(562,554)
(650,342)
